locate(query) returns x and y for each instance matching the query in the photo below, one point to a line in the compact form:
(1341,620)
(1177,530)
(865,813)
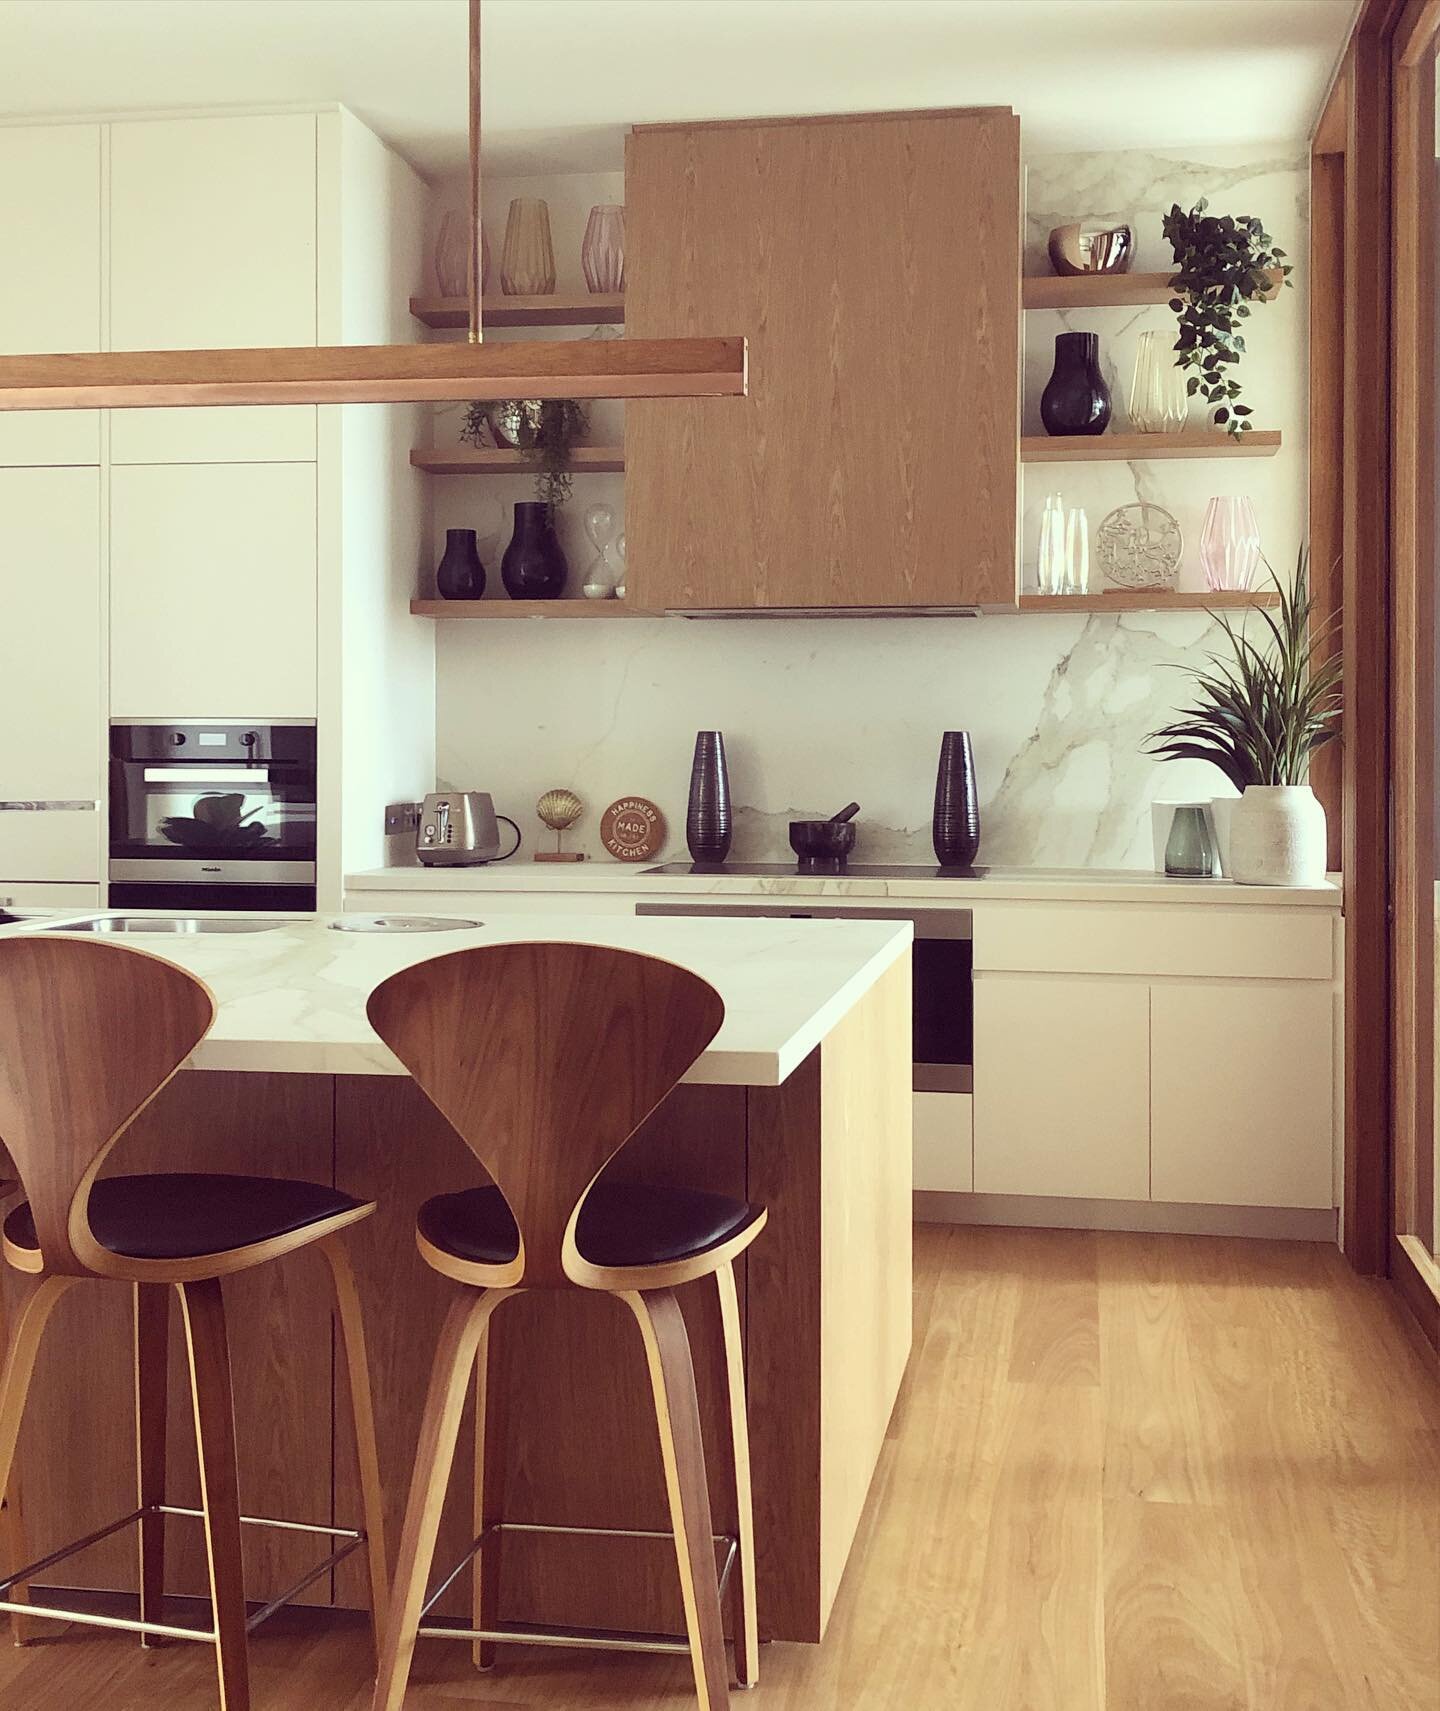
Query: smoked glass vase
(460,575)
(527,263)
(602,252)
(1076,399)
(534,566)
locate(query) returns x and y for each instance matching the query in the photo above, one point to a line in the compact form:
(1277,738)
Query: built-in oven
(214,815)
(943,1024)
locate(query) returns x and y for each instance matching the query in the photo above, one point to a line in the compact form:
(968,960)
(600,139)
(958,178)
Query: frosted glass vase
(527,263)
(1230,544)
(602,252)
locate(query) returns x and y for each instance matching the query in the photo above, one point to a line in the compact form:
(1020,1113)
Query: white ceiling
(563,78)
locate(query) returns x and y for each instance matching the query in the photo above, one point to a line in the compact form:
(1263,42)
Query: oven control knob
(250,738)
(177,738)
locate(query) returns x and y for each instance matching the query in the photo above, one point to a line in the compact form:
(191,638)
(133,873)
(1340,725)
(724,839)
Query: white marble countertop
(293,998)
(1076,885)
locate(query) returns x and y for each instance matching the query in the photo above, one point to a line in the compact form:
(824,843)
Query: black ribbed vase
(460,574)
(707,816)
(956,826)
(534,566)
(1076,399)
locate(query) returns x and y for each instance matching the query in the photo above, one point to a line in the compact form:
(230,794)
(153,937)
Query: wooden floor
(1139,1473)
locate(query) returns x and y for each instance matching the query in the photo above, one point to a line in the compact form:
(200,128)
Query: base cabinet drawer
(944,1142)
(1062,1087)
(1243,1094)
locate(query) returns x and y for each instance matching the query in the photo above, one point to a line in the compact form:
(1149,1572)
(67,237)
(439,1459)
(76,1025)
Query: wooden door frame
(1412,706)
(1349,536)
(1373,331)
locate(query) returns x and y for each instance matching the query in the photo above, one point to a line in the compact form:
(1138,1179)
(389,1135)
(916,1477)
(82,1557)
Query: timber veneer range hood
(383,374)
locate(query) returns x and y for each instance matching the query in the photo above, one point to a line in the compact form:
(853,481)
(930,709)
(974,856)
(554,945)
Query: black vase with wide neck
(534,566)
(460,575)
(1076,399)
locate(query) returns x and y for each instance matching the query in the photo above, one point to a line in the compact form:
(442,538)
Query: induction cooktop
(816,869)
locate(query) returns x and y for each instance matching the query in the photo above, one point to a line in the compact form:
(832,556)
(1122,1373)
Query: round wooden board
(633,829)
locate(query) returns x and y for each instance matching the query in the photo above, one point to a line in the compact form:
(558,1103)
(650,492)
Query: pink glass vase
(602,253)
(1230,544)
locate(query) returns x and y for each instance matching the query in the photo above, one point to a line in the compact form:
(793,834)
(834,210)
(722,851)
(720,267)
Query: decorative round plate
(633,829)
(1139,546)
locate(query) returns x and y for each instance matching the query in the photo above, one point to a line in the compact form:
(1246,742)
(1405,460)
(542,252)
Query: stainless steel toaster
(458,828)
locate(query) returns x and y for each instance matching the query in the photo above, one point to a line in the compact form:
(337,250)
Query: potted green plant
(1259,717)
(547,431)
(1224,264)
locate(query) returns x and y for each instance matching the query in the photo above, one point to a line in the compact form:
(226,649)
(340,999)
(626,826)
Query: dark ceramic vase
(534,565)
(460,575)
(1076,399)
(707,817)
(956,826)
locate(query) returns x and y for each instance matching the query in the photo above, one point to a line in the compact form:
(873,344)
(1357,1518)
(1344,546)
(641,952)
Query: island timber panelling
(874,265)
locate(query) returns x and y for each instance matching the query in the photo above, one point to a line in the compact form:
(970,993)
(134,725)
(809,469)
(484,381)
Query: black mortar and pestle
(823,846)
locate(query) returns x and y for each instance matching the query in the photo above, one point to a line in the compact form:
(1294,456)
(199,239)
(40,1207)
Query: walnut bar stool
(89,1034)
(546,1058)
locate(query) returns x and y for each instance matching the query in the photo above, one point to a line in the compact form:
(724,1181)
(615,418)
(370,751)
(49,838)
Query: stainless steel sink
(185,924)
(402,924)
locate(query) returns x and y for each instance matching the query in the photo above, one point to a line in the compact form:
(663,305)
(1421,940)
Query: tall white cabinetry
(51,524)
(240,563)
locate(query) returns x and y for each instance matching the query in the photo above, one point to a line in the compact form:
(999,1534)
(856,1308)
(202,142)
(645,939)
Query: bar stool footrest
(553,1634)
(352,1538)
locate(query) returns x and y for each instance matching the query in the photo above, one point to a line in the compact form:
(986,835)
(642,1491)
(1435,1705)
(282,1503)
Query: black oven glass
(944,1018)
(205,801)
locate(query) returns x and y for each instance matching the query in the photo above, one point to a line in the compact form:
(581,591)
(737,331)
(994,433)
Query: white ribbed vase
(1277,836)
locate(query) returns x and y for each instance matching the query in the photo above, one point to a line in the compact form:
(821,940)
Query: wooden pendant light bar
(383,374)
(376,374)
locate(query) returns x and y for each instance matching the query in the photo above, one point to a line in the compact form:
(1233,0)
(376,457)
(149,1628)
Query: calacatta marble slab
(292,999)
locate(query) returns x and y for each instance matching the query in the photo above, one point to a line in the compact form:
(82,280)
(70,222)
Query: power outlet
(401,817)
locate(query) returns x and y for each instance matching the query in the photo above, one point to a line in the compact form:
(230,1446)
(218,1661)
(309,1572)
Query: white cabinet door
(1244,1093)
(1062,1087)
(50,280)
(213,244)
(212,591)
(52,719)
(944,1157)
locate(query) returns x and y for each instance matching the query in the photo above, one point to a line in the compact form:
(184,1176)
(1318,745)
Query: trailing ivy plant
(547,431)
(1260,715)
(1222,267)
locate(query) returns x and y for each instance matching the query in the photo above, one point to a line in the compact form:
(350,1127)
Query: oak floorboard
(1206,1479)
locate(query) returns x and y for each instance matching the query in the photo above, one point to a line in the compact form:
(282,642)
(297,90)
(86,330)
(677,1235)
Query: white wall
(818,711)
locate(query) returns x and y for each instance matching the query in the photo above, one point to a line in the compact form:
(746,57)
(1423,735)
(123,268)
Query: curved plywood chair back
(545,1058)
(89,1034)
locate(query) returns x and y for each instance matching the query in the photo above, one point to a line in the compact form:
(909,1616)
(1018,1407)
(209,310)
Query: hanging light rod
(384,374)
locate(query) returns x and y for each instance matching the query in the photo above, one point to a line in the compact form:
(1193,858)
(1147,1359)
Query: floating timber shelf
(472,460)
(1104,290)
(1127,448)
(503,608)
(568,310)
(1147,600)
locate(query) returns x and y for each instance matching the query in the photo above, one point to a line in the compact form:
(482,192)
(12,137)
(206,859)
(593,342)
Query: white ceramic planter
(1277,836)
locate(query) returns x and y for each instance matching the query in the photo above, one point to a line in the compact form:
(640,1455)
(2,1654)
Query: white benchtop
(1055,885)
(293,998)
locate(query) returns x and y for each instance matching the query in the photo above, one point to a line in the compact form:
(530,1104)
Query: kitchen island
(801,1103)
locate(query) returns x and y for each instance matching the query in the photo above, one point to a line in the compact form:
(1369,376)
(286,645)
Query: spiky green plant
(1261,715)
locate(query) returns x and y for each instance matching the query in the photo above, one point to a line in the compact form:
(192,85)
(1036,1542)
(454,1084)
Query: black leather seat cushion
(620,1224)
(185,1217)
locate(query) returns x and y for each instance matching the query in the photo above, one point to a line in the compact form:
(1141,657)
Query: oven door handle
(206,775)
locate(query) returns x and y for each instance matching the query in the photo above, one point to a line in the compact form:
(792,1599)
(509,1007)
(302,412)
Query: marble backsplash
(816,712)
